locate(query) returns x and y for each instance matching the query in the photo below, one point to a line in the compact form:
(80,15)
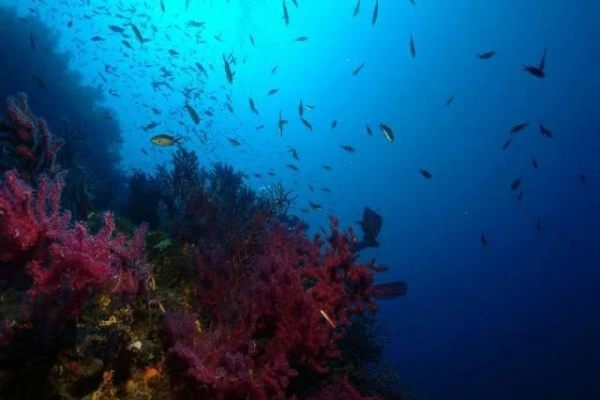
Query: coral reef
(223,302)
(60,267)
(72,111)
(209,207)
(276,322)
(33,148)
(63,262)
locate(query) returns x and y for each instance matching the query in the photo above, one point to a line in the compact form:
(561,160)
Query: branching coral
(282,322)
(278,199)
(209,208)
(62,261)
(34,148)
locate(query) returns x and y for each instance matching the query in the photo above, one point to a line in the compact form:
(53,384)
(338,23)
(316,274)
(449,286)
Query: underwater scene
(299,199)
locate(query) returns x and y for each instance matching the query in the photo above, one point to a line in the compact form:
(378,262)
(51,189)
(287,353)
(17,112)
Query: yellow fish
(164,140)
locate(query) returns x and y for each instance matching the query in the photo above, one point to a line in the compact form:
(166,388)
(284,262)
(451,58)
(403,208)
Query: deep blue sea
(503,276)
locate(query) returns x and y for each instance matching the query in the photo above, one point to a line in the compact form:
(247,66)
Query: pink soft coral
(284,317)
(65,263)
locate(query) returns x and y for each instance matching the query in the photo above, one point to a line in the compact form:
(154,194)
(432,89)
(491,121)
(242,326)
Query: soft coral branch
(285,317)
(34,148)
(29,219)
(65,263)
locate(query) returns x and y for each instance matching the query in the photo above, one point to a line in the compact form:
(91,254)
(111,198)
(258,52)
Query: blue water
(517,319)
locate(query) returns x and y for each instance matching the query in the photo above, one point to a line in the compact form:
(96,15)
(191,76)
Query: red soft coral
(64,263)
(29,219)
(285,317)
(34,147)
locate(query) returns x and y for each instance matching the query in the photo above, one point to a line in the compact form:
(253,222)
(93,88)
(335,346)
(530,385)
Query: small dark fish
(234,142)
(520,196)
(280,124)
(252,40)
(162,6)
(274,70)
(272,92)
(196,24)
(534,163)
(356,8)
(426,174)
(286,16)
(333,124)
(348,149)
(358,69)
(582,179)
(487,55)
(293,167)
(97,39)
(312,189)
(259,127)
(413,50)
(375,13)
(309,107)
(538,225)
(326,190)
(412,2)
(387,132)
(483,239)
(126,44)
(301,39)
(137,33)
(150,126)
(450,100)
(295,154)
(506,144)
(519,127)
(538,71)
(70,24)
(201,69)
(545,131)
(252,107)
(327,167)
(116,28)
(315,206)
(174,53)
(228,73)
(306,124)
(193,114)
(515,184)
(300,108)
(534,71)
(369,130)
(164,140)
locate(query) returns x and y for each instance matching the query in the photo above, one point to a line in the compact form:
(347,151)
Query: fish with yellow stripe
(164,140)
